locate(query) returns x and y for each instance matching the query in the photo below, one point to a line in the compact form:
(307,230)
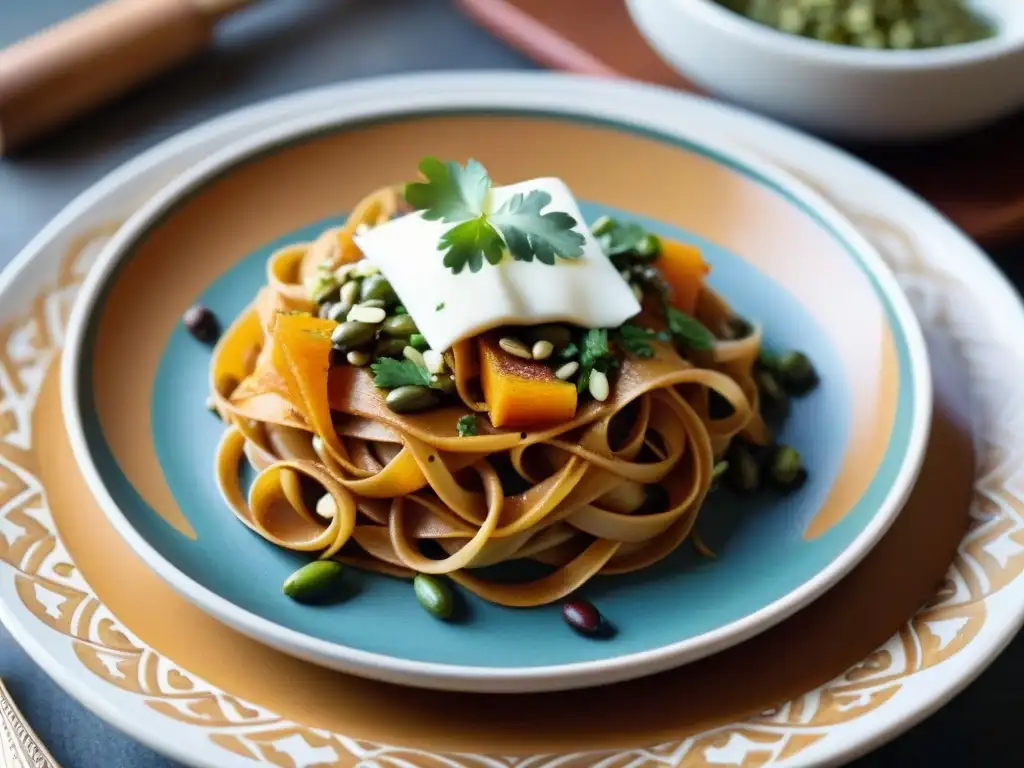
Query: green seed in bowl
(876,24)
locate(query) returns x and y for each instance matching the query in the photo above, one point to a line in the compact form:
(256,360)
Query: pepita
(434,595)
(313,581)
(410,399)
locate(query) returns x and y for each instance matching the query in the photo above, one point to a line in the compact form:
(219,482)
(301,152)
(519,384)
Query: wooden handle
(63,71)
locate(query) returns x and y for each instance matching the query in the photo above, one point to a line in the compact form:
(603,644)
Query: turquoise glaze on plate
(675,611)
(762,554)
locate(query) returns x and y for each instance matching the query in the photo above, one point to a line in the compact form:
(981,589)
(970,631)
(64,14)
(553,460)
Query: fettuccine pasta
(339,474)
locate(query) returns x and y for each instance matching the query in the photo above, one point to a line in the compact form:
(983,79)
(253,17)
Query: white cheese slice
(587,291)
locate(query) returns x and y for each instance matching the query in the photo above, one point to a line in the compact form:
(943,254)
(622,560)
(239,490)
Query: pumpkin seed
(567,371)
(598,386)
(542,350)
(325,288)
(648,248)
(894,24)
(773,398)
(326,507)
(743,473)
(390,348)
(347,297)
(797,373)
(313,581)
(363,314)
(351,334)
(786,466)
(419,341)
(410,399)
(414,355)
(515,347)
(434,595)
(399,326)
(433,361)
(602,226)
(377,287)
(365,268)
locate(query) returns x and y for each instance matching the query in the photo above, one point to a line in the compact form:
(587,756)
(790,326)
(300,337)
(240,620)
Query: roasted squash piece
(684,269)
(521,393)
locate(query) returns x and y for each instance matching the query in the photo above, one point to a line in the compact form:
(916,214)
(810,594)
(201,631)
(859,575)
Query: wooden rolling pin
(56,75)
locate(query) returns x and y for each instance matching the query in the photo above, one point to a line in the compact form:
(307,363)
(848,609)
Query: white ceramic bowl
(840,90)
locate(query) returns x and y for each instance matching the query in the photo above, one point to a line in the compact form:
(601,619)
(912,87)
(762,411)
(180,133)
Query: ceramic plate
(137,383)
(851,670)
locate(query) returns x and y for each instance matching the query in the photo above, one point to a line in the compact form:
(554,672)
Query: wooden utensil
(976,180)
(91,58)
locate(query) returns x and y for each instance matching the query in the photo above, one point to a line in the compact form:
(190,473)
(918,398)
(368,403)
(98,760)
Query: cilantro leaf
(636,340)
(467,425)
(390,373)
(569,351)
(688,331)
(595,355)
(530,233)
(460,195)
(469,243)
(450,193)
(617,238)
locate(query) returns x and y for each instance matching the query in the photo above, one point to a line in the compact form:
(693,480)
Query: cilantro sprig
(467,425)
(636,340)
(688,331)
(619,239)
(390,373)
(595,355)
(461,195)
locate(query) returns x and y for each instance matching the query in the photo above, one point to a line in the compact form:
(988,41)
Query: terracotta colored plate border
(498,679)
(951,283)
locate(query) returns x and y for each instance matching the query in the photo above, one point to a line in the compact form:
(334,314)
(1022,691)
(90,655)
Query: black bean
(582,616)
(787,469)
(201,323)
(744,471)
(797,372)
(774,400)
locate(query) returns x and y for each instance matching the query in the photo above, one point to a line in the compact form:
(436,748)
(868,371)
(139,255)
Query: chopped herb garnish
(460,195)
(617,238)
(439,306)
(688,331)
(390,373)
(569,351)
(467,425)
(595,355)
(636,340)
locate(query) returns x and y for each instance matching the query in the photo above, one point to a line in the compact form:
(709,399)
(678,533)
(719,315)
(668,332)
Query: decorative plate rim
(1001,607)
(461,100)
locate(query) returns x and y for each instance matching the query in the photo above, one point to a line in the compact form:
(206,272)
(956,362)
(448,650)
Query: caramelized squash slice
(684,269)
(521,393)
